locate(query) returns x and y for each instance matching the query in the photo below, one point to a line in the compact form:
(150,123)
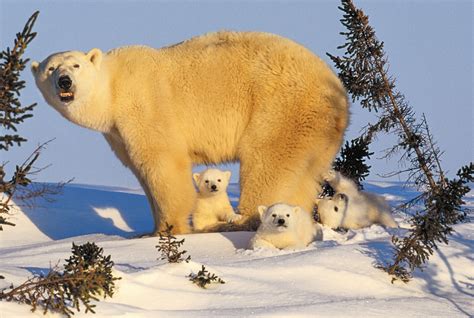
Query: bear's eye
(51,68)
(274,215)
(76,65)
(336,208)
(218,180)
(207,181)
(287,215)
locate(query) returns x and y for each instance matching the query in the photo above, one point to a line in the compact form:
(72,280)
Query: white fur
(213,205)
(297,231)
(350,208)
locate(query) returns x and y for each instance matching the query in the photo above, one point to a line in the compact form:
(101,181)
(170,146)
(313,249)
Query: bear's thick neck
(96,112)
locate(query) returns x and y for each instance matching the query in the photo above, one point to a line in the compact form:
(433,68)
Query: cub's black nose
(281,221)
(213,187)
(65,82)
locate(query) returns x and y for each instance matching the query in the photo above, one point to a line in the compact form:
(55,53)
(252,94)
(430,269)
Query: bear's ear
(261,210)
(227,174)
(296,209)
(196,176)
(34,67)
(95,57)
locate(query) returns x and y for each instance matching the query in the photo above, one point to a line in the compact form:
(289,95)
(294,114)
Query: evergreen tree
(364,71)
(12,114)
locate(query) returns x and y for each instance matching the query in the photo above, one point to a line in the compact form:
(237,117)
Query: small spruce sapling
(169,246)
(204,278)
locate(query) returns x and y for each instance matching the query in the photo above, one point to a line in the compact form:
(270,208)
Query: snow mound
(335,277)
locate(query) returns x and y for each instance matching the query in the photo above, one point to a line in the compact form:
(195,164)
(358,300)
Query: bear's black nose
(65,82)
(281,221)
(213,187)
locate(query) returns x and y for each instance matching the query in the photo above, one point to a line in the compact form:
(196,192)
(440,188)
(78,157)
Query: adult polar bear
(254,97)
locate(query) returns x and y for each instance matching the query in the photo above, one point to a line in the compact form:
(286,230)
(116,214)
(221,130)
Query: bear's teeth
(65,94)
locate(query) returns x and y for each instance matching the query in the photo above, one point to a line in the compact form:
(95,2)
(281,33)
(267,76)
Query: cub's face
(279,217)
(67,78)
(332,210)
(212,181)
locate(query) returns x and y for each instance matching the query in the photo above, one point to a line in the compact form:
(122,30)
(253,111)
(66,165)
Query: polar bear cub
(350,208)
(285,227)
(213,204)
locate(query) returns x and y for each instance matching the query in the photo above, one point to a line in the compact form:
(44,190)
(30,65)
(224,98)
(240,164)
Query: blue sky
(429,44)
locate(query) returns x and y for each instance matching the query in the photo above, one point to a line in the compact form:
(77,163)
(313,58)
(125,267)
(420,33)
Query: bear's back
(230,39)
(263,51)
(258,50)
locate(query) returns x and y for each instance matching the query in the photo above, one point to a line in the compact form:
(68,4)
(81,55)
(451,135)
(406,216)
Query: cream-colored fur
(254,97)
(213,205)
(350,208)
(285,227)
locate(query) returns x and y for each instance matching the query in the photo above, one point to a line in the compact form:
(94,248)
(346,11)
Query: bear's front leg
(228,215)
(169,179)
(171,184)
(118,147)
(258,242)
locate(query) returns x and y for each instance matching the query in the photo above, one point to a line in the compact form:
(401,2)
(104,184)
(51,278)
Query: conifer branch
(87,276)
(204,278)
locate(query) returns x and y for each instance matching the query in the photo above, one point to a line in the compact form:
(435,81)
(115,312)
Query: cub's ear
(342,197)
(34,67)
(227,174)
(296,209)
(95,56)
(196,177)
(261,210)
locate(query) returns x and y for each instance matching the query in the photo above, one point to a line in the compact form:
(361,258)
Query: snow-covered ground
(332,278)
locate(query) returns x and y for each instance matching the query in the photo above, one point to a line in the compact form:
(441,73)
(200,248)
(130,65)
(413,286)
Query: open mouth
(66,96)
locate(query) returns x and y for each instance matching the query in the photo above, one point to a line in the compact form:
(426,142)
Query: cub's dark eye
(336,208)
(287,215)
(274,215)
(207,181)
(76,65)
(218,180)
(51,68)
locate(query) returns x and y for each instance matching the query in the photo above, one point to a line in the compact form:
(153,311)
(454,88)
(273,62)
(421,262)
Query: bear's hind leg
(289,171)
(265,181)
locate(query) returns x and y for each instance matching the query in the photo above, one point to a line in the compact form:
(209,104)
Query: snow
(335,277)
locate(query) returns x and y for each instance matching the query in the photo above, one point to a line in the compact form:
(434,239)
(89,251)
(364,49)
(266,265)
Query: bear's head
(212,181)
(70,82)
(332,210)
(279,217)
